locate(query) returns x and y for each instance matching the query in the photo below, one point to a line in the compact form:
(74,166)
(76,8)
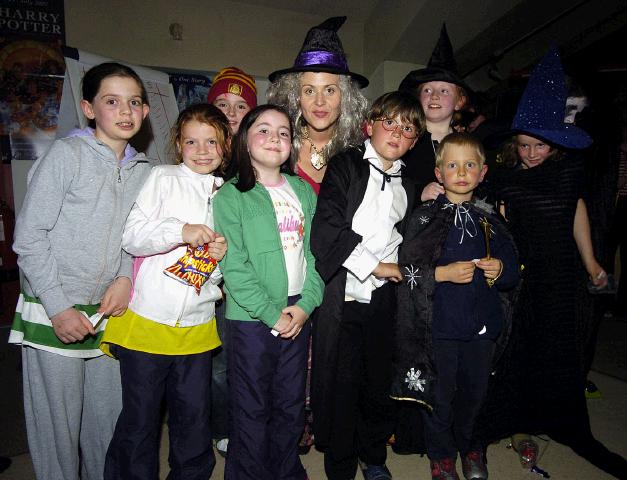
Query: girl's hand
(197,234)
(282,323)
(298,317)
(217,248)
(116,298)
(598,277)
(389,271)
(492,268)
(71,326)
(456,272)
(431,192)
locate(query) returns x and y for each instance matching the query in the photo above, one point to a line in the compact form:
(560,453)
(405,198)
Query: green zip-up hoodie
(254,270)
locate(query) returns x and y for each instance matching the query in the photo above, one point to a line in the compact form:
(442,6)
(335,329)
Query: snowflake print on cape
(413,380)
(412,276)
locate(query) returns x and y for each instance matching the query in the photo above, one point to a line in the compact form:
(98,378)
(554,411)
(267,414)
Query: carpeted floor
(611,351)
(608,417)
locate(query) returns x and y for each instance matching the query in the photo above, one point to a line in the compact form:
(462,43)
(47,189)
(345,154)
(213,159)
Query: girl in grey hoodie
(68,238)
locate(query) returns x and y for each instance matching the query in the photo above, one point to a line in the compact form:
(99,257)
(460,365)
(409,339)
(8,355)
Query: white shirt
(291,223)
(375,220)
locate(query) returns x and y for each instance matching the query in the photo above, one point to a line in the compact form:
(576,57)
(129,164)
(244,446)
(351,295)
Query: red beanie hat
(235,81)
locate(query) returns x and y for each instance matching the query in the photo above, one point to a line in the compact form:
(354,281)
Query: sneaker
(375,472)
(474,467)
(592,391)
(222,446)
(444,469)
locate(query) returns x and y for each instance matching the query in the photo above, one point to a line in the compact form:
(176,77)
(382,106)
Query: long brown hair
(246,177)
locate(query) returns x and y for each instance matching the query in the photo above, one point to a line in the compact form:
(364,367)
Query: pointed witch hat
(322,51)
(543,104)
(442,67)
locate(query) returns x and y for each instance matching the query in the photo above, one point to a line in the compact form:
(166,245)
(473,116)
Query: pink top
(315,185)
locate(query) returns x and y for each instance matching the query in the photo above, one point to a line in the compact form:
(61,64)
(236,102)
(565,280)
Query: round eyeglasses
(389,124)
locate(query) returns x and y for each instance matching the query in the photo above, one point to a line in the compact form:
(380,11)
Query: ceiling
(492,38)
(358,10)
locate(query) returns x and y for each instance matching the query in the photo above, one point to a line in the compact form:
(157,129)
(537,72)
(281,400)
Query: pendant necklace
(318,157)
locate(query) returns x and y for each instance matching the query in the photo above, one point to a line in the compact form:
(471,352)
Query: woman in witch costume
(324,101)
(541,387)
(328,111)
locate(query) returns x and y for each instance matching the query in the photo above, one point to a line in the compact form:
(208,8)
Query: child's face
(117,109)
(320,99)
(391,138)
(234,107)
(532,151)
(460,172)
(200,147)
(439,100)
(269,141)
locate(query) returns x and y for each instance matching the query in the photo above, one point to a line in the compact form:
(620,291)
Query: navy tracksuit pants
(184,381)
(267,402)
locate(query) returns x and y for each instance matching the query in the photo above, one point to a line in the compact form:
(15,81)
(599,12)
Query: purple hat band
(321,57)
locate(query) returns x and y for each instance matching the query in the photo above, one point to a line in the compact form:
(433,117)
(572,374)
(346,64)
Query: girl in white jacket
(165,338)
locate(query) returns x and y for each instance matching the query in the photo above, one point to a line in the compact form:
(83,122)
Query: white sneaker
(222,446)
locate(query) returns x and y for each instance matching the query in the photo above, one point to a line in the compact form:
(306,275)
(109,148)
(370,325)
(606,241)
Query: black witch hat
(442,67)
(322,51)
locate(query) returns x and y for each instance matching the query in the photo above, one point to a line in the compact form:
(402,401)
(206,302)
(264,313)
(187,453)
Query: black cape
(541,388)
(426,234)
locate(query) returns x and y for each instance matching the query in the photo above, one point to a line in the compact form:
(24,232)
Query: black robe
(541,388)
(420,163)
(332,241)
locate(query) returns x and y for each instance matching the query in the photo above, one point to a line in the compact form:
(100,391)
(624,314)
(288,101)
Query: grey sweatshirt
(68,235)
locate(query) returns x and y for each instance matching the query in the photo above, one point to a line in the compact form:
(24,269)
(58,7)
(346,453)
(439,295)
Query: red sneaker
(444,469)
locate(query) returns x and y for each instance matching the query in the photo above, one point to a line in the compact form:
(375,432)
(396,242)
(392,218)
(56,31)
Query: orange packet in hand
(193,268)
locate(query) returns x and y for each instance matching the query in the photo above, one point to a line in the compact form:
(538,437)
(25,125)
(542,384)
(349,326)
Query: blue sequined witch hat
(543,104)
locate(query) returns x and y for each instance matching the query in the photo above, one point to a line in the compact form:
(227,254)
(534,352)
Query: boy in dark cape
(454,310)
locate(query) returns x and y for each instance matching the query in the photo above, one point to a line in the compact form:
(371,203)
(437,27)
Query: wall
(387,77)
(215,34)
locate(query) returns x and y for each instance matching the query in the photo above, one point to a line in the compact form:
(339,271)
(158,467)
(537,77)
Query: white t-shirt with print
(291,223)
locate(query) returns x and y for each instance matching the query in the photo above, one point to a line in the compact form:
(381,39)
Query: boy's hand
(217,248)
(456,272)
(389,271)
(298,318)
(115,300)
(71,326)
(431,191)
(492,268)
(197,234)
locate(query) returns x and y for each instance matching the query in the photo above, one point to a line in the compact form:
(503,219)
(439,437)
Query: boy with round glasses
(356,232)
